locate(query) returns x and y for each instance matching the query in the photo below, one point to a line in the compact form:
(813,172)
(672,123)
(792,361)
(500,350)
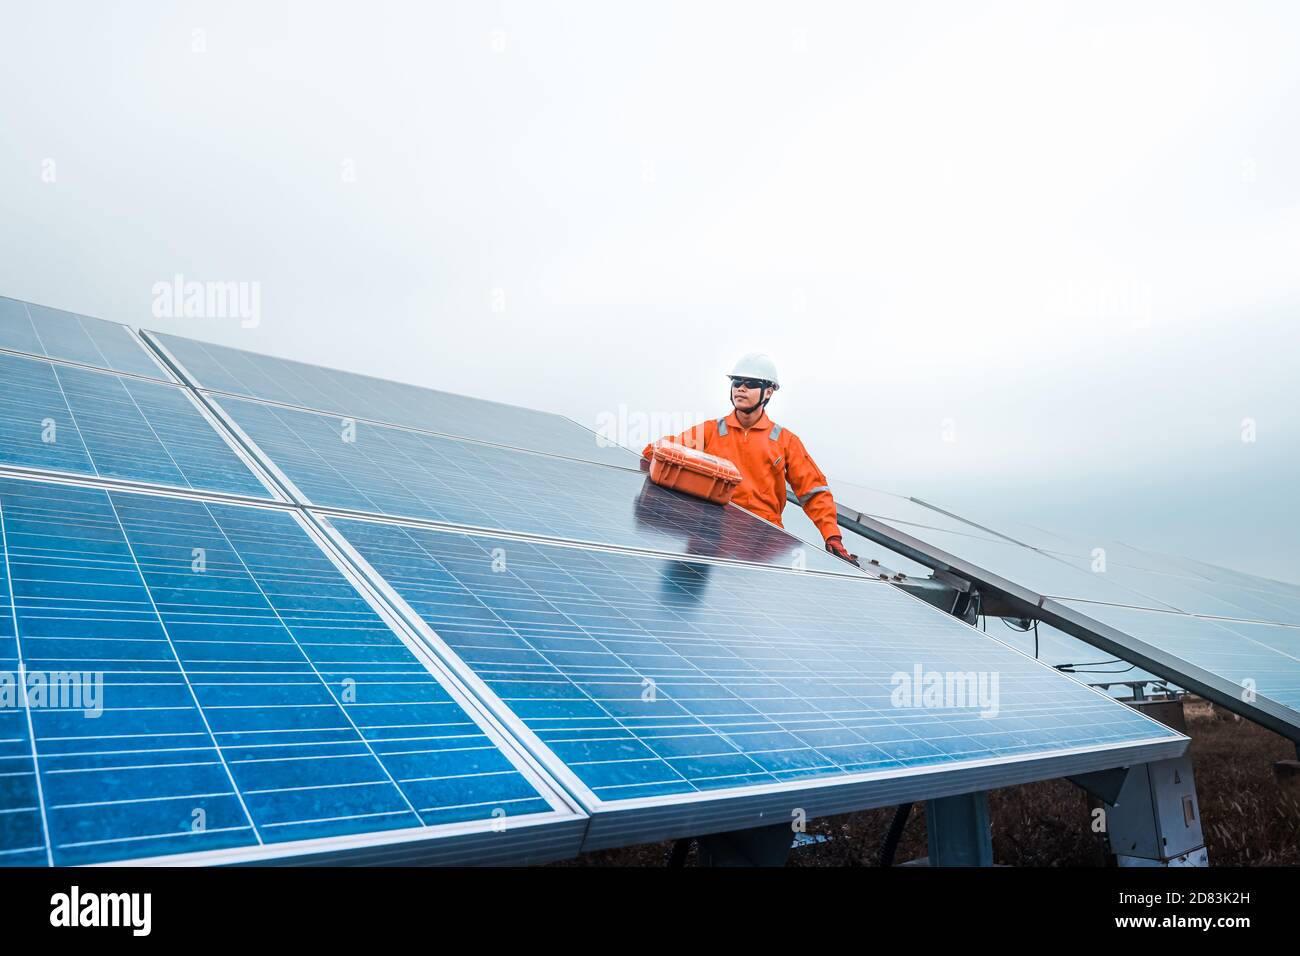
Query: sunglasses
(748,383)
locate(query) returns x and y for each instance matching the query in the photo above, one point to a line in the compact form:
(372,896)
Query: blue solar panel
(1262,657)
(40,330)
(69,419)
(1037,571)
(646,677)
(223,369)
(340,463)
(890,508)
(1192,595)
(1112,571)
(252,700)
(1205,628)
(1080,659)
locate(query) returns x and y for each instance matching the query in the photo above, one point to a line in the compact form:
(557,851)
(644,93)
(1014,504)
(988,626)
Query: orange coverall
(768,456)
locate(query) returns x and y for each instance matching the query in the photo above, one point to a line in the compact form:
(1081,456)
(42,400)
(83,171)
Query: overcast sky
(1035,260)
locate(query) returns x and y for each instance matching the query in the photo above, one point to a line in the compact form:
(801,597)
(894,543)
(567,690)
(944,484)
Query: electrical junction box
(1157,821)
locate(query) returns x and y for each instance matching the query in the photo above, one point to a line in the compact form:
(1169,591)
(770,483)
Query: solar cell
(53,333)
(69,419)
(250,702)
(671,682)
(224,369)
(342,463)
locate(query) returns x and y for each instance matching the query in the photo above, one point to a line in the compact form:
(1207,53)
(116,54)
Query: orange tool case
(693,472)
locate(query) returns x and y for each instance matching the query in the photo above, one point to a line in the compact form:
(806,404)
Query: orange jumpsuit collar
(763,422)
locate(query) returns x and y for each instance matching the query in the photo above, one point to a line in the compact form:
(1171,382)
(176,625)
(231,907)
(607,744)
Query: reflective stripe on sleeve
(804,499)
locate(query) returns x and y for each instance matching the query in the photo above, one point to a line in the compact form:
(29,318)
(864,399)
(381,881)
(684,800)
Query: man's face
(746,393)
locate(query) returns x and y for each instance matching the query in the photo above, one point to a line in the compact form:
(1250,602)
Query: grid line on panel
(403,473)
(234,789)
(89,422)
(80,339)
(315,670)
(797,694)
(27,714)
(256,640)
(220,369)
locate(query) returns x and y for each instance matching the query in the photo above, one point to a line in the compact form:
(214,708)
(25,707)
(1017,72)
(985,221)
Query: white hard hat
(755,365)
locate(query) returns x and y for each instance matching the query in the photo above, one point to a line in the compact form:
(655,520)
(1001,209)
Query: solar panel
(64,418)
(1077,658)
(1054,647)
(1035,570)
(570,638)
(1147,579)
(1071,576)
(797,523)
(223,369)
(1194,595)
(890,507)
(676,696)
(53,333)
(1204,628)
(251,703)
(346,464)
(1259,660)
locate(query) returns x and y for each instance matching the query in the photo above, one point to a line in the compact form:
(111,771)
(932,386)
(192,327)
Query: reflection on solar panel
(224,369)
(1204,628)
(261,700)
(248,698)
(69,419)
(797,523)
(643,678)
(341,463)
(53,333)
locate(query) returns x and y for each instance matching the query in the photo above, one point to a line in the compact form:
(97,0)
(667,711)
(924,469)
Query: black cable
(1071,669)
(893,835)
(1025,630)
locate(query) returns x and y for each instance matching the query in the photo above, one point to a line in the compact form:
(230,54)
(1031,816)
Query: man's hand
(835,545)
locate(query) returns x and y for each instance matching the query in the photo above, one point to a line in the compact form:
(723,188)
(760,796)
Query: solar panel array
(343,463)
(338,617)
(645,676)
(248,695)
(1231,636)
